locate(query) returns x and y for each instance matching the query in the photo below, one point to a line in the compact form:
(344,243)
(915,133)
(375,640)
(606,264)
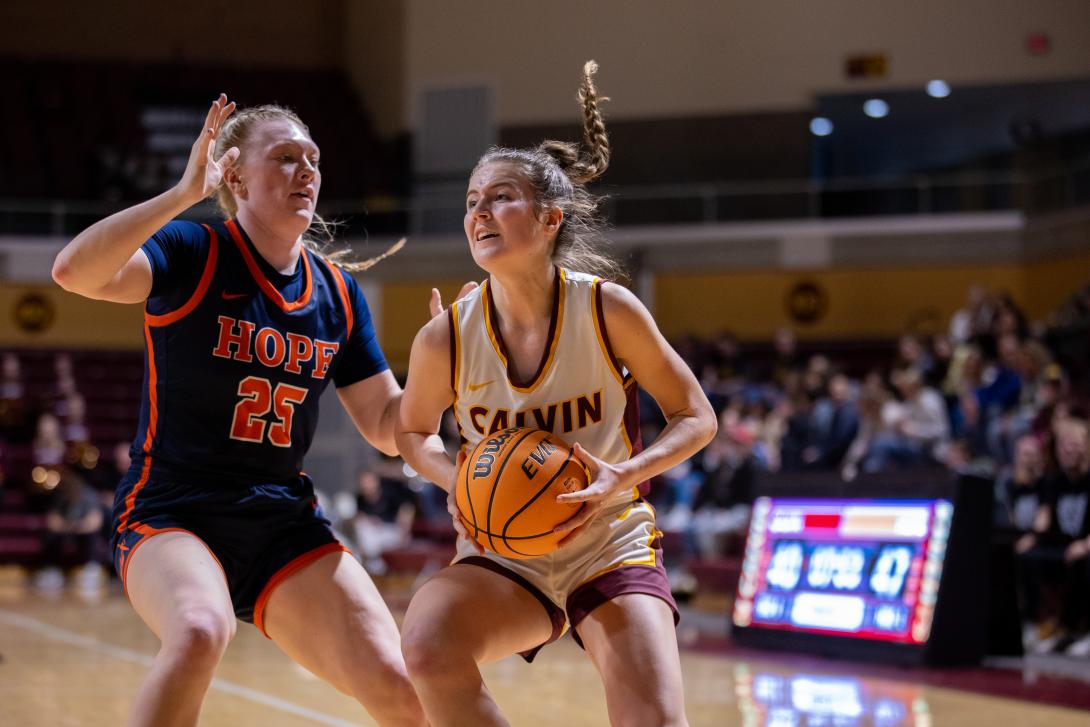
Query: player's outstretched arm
(104,262)
(427,395)
(373,405)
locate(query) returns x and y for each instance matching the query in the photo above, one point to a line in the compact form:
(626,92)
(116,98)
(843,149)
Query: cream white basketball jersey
(579,392)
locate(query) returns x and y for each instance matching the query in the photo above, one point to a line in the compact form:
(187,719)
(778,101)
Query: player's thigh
(632,642)
(175,583)
(330,618)
(468,609)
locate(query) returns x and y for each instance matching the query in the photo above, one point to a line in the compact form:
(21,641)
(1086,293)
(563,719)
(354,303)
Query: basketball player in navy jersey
(244,327)
(542,343)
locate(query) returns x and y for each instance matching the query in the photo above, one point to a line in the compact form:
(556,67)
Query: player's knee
(427,653)
(391,693)
(201,635)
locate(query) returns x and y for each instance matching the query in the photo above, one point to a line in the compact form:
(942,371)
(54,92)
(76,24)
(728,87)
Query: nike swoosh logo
(475,387)
(232,296)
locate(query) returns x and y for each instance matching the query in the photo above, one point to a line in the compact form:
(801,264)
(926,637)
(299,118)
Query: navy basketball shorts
(619,554)
(259,534)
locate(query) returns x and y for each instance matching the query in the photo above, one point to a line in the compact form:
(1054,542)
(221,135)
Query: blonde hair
(320,236)
(558,172)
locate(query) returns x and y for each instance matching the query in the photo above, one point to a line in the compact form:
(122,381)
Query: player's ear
(552,217)
(234,182)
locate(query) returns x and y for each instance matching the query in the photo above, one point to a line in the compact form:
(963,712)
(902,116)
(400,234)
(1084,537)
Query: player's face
(279,175)
(502,222)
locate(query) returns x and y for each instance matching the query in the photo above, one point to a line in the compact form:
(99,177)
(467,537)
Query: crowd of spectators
(993,394)
(70,491)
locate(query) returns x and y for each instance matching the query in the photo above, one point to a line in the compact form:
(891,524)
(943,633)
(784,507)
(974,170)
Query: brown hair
(320,236)
(559,171)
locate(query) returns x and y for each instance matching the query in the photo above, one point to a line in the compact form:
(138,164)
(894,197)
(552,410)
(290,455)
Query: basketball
(507,489)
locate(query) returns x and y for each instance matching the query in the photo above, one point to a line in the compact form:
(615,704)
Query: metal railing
(438,209)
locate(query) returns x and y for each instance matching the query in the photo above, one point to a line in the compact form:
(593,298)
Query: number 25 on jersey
(257,398)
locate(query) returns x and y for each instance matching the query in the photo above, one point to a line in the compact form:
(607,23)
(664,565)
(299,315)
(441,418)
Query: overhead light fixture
(821,126)
(938,89)
(876,108)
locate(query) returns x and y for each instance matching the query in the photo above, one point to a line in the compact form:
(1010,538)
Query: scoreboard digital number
(867,569)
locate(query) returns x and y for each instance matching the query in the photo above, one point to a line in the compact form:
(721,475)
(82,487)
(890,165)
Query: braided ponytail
(559,171)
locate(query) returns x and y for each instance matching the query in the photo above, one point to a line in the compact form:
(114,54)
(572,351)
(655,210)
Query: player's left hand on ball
(605,481)
(452,506)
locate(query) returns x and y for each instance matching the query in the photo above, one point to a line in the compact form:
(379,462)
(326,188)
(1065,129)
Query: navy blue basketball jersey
(237,356)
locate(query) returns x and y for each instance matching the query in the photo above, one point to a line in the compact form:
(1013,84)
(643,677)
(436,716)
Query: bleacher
(75,130)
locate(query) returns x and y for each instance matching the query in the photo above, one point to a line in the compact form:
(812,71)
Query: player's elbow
(68,277)
(709,423)
(63,274)
(388,446)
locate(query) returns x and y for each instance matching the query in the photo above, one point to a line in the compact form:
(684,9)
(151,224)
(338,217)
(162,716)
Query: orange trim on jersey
(202,287)
(153,374)
(555,326)
(149,532)
(149,435)
(343,290)
(262,282)
(284,573)
(600,331)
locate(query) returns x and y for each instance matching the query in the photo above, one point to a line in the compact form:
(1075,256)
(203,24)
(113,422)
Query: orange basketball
(507,488)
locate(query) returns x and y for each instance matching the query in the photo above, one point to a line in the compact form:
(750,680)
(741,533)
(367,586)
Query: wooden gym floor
(75,658)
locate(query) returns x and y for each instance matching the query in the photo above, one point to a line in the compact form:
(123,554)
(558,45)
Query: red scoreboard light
(1038,44)
(865,574)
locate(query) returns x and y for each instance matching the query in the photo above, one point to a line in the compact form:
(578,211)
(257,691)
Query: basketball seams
(539,493)
(496,479)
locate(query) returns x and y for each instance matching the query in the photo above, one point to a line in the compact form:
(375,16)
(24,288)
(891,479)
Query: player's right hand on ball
(452,505)
(203,174)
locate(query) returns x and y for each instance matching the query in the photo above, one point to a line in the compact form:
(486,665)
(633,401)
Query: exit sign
(867,65)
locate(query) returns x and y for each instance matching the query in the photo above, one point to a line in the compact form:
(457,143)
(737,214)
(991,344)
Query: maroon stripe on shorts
(627,579)
(555,613)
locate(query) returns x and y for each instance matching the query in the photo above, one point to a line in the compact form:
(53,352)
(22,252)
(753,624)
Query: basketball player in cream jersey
(544,344)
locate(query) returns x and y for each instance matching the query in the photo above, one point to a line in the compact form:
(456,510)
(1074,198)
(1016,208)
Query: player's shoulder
(184,232)
(618,300)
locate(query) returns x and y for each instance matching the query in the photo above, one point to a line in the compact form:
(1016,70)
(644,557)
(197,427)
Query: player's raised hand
(203,174)
(435,305)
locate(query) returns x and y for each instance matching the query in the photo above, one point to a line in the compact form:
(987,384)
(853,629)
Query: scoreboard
(861,573)
(866,569)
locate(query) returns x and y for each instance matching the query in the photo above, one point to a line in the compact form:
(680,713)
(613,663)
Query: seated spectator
(384,518)
(16,422)
(877,412)
(787,361)
(835,425)
(73,522)
(918,427)
(49,446)
(973,319)
(999,394)
(722,504)
(942,357)
(75,427)
(1069,529)
(912,354)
